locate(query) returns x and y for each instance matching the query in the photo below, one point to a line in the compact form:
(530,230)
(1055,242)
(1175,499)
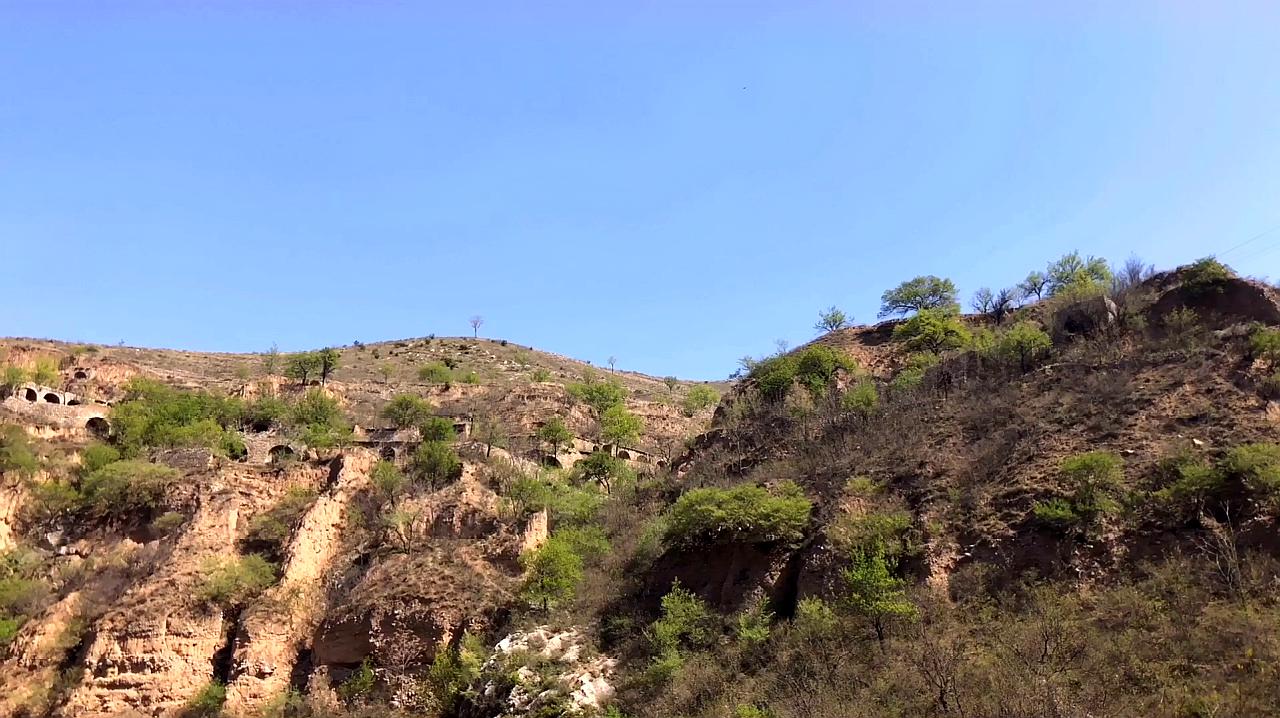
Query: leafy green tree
(328,359)
(698,398)
(926,292)
(932,330)
(831,319)
(1024,342)
(814,367)
(385,370)
(436,428)
(45,371)
(686,623)
(740,514)
(599,395)
(1094,478)
(320,419)
(602,469)
(552,574)
(434,463)
(126,489)
(619,426)
(1075,273)
(555,434)
(1034,285)
(874,592)
(435,373)
(406,410)
(96,456)
(388,481)
(17,456)
(13,377)
(302,366)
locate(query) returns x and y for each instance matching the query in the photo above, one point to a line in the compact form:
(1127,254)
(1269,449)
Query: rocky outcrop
(1219,302)
(581,681)
(159,644)
(274,631)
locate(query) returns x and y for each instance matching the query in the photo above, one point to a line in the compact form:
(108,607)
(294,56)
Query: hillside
(1067,508)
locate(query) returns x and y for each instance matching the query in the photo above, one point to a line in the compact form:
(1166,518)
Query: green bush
(912,374)
(319,418)
(862,399)
(264,413)
(1093,478)
(588,541)
(599,395)
(754,624)
(96,456)
(1205,274)
(698,399)
(126,489)
(234,582)
(360,683)
(603,469)
(207,703)
(435,373)
(1187,479)
(893,532)
(406,410)
(1024,342)
(540,375)
(932,330)
(752,514)
(454,670)
(434,464)
(388,481)
(813,367)
(686,623)
(552,573)
(17,455)
(436,428)
(1256,466)
(1264,343)
(153,415)
(9,628)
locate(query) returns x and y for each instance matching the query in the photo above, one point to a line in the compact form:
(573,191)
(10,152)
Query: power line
(1250,240)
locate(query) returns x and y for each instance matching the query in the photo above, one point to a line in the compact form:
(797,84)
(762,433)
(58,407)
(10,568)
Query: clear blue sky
(676,184)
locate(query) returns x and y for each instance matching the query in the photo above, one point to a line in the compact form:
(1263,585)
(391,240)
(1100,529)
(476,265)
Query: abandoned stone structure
(59,411)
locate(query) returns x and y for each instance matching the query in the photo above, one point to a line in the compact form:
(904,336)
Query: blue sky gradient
(674,184)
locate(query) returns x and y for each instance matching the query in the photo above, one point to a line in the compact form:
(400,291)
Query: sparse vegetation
(232,583)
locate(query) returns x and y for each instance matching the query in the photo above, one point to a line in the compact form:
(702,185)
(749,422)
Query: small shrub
(207,703)
(599,395)
(711,516)
(875,593)
(814,367)
(1205,274)
(234,582)
(1024,342)
(932,330)
(815,618)
(388,481)
(540,375)
(698,399)
(686,622)
(1257,466)
(435,373)
(1056,512)
(1187,480)
(891,532)
(471,378)
(17,455)
(168,522)
(1093,478)
(863,399)
(1181,322)
(1264,343)
(359,684)
(754,625)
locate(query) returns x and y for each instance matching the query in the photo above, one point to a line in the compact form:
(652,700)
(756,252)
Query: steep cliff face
(160,643)
(275,632)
